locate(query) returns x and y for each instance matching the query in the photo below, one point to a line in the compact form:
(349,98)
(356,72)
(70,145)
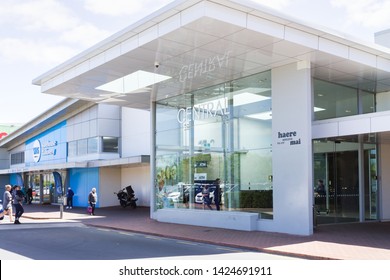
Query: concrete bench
(219,219)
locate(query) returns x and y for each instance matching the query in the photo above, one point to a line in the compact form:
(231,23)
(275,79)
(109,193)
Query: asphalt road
(75,241)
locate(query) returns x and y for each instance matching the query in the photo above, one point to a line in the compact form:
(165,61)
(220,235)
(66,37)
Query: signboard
(289,138)
(57,182)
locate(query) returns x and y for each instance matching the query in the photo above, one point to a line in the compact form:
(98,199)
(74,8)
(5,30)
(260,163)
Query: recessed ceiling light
(133,82)
(261,116)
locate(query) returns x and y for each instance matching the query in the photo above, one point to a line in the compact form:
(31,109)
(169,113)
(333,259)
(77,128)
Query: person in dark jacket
(217,194)
(18,203)
(29,195)
(92,200)
(206,197)
(69,198)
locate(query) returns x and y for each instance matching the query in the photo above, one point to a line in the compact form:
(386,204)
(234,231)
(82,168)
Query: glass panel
(35,183)
(82,147)
(371,181)
(368,102)
(93,145)
(110,145)
(336,163)
(333,101)
(72,148)
(48,188)
(218,132)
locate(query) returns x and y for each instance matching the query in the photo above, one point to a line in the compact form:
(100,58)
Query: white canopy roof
(199,43)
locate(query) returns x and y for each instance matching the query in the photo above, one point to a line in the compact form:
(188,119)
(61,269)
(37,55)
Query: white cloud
(275,4)
(368,13)
(119,7)
(84,35)
(28,51)
(48,15)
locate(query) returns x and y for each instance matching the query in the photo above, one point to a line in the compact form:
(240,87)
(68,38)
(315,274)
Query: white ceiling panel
(211,49)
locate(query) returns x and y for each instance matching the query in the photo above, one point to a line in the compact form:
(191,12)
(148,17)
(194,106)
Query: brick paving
(354,241)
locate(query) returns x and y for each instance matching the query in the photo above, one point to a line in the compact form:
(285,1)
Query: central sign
(203,111)
(193,70)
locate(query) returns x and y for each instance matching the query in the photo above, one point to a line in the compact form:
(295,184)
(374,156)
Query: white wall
(291,164)
(99,120)
(135,132)
(83,125)
(110,182)
(109,117)
(383,38)
(4,159)
(139,178)
(384,182)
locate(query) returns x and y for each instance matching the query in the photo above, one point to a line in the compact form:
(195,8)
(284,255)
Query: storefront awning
(121,162)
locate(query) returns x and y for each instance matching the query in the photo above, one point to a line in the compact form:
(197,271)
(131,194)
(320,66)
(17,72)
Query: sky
(38,35)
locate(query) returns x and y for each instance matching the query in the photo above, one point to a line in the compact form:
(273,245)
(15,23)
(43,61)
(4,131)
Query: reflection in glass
(219,132)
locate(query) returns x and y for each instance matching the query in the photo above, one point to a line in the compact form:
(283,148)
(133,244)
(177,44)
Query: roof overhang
(54,115)
(199,43)
(141,160)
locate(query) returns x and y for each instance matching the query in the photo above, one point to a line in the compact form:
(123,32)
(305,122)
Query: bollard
(61,209)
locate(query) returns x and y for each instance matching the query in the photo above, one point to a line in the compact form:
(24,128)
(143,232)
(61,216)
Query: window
(335,101)
(110,144)
(225,132)
(93,144)
(72,149)
(17,158)
(82,147)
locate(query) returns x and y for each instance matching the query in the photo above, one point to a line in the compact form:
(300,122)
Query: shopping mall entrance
(347,166)
(43,187)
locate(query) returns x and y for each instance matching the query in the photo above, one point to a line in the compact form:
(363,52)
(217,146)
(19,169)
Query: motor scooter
(127,197)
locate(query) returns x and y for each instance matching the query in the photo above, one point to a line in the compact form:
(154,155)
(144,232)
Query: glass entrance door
(347,166)
(370,183)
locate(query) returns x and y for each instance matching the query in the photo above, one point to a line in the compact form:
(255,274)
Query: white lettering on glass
(193,70)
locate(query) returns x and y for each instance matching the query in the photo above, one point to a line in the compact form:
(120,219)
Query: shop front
(46,189)
(223,131)
(265,103)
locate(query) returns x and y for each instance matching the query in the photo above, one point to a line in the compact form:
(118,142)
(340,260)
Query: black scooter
(126,197)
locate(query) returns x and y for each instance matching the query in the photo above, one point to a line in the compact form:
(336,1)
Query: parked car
(35,192)
(174,196)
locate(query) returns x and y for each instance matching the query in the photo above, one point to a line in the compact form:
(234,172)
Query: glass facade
(222,132)
(43,186)
(335,101)
(91,146)
(347,166)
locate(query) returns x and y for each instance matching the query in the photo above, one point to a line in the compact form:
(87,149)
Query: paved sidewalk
(356,241)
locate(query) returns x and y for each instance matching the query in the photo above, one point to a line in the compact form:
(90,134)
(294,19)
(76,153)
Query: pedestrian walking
(29,195)
(18,204)
(92,200)
(206,197)
(217,194)
(7,202)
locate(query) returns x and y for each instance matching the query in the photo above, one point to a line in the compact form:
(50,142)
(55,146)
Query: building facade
(78,144)
(268,104)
